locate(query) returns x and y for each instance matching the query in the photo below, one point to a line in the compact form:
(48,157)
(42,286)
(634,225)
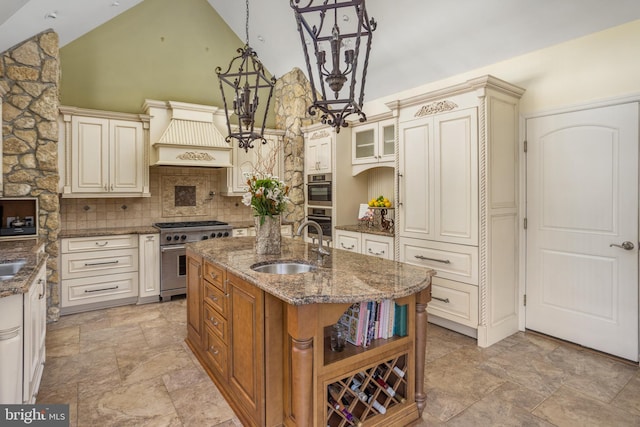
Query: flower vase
(268,239)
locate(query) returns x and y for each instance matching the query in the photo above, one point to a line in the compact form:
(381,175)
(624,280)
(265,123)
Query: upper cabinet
(262,158)
(105,154)
(373,145)
(317,151)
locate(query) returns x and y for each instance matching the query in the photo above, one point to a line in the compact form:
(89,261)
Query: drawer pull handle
(214,321)
(102,244)
(87,291)
(424,258)
(376,253)
(213,350)
(347,248)
(44,291)
(213,275)
(214,298)
(444,300)
(89,264)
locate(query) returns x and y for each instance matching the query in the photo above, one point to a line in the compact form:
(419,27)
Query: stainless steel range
(173,260)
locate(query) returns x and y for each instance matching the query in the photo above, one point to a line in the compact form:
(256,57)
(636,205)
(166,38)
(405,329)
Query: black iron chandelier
(318,25)
(243,81)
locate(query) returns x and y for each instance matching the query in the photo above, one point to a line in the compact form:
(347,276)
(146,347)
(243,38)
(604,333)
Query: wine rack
(370,392)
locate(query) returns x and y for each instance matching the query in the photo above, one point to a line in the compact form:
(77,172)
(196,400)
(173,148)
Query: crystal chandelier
(242,82)
(340,84)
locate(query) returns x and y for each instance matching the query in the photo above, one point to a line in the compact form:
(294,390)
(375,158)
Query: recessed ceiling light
(51,15)
(115,3)
(260,38)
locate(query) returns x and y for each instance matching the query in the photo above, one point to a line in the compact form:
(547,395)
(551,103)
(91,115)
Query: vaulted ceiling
(416,42)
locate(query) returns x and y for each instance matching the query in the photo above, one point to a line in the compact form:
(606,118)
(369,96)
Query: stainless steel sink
(283,267)
(9,269)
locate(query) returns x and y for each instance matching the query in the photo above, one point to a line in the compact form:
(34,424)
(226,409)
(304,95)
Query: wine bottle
(390,391)
(370,391)
(355,386)
(336,402)
(398,371)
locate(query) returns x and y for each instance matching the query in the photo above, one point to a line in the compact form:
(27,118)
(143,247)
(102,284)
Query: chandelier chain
(246,27)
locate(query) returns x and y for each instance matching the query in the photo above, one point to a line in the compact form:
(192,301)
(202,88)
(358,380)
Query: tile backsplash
(164,205)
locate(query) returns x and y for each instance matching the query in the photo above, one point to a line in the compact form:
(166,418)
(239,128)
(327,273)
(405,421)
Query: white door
(582,201)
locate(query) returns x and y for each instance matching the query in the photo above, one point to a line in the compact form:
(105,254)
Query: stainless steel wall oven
(319,190)
(323,217)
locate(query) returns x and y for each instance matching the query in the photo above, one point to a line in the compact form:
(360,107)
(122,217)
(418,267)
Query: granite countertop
(345,277)
(112,231)
(27,250)
(360,229)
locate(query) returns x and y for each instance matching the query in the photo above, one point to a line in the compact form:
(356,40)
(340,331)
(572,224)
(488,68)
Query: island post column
(301,328)
(422,299)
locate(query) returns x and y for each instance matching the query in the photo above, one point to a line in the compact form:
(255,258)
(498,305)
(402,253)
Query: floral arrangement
(267,195)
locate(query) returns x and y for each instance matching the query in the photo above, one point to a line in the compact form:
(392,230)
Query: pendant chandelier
(340,84)
(243,81)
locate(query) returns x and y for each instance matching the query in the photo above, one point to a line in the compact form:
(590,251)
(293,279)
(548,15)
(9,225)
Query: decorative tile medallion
(184,195)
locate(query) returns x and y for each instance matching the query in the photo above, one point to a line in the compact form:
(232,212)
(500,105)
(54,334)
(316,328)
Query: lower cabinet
(22,342)
(365,243)
(149,268)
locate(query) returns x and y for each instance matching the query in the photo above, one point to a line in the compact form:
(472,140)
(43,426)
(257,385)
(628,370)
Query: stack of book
(370,320)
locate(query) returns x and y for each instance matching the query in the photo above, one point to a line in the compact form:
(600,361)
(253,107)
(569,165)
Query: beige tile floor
(129,366)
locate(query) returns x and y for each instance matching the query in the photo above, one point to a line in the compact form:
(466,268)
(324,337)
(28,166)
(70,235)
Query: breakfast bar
(264,340)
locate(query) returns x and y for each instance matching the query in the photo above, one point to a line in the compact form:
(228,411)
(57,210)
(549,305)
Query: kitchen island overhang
(289,318)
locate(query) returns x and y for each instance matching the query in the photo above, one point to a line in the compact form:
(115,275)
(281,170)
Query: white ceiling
(416,42)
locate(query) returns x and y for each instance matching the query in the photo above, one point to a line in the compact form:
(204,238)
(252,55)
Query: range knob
(183,237)
(176,237)
(219,234)
(226,234)
(213,235)
(168,238)
(205,237)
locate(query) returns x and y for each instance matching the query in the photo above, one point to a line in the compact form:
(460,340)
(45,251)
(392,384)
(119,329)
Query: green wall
(159,49)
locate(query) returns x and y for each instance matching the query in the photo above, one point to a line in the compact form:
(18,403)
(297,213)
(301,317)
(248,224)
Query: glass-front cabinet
(373,144)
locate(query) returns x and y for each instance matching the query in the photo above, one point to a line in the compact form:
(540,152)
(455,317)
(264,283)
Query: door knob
(627,246)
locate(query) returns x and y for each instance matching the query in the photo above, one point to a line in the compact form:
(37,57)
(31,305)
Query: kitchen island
(264,338)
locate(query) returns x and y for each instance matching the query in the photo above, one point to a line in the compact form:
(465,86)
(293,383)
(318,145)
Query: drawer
(451,261)
(215,275)
(379,246)
(89,290)
(455,301)
(216,322)
(348,241)
(243,232)
(99,243)
(85,264)
(216,352)
(216,298)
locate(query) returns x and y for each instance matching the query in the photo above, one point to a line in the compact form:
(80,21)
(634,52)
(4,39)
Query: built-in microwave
(18,217)
(319,189)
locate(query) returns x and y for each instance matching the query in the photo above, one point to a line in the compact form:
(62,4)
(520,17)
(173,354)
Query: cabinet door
(246,346)
(126,154)
(195,299)
(149,267)
(416,176)
(364,144)
(89,155)
(318,152)
(11,348)
(455,183)
(35,324)
(387,140)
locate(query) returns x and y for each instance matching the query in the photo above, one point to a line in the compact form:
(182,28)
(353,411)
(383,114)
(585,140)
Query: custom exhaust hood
(184,134)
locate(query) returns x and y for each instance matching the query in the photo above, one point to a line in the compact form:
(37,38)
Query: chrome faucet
(321,251)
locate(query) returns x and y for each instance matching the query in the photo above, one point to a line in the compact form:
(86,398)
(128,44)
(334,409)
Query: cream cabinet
(105,154)
(317,151)
(98,272)
(458,202)
(23,329)
(262,158)
(286,230)
(373,145)
(149,268)
(365,243)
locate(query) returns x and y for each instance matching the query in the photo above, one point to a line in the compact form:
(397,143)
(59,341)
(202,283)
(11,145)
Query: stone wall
(292,94)
(29,74)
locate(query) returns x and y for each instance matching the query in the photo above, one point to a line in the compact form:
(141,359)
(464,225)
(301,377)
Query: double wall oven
(173,259)
(319,204)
